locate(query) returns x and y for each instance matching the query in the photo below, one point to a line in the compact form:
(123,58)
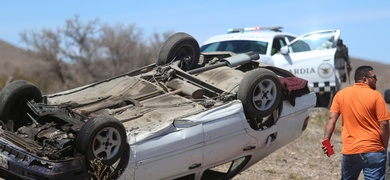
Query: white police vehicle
(310,56)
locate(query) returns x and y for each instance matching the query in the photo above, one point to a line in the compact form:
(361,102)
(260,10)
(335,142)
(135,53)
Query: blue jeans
(373,165)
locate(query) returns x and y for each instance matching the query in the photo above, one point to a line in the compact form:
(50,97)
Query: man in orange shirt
(365,127)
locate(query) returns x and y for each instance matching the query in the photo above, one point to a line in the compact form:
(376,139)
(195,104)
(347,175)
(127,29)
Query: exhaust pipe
(230,61)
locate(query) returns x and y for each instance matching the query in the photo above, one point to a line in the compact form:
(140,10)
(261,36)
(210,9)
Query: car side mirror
(284,50)
(387,96)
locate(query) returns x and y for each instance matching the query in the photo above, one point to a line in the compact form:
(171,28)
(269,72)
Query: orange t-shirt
(361,109)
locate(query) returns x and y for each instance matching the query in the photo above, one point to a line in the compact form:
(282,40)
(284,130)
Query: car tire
(387,96)
(260,92)
(122,164)
(102,137)
(13,103)
(180,47)
(325,99)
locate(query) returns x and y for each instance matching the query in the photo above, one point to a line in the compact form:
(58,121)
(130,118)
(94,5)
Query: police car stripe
(324,86)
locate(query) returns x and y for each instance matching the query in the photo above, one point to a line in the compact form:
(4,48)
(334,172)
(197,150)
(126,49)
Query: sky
(364,25)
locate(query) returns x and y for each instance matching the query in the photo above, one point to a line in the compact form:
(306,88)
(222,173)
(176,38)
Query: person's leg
(339,64)
(374,165)
(351,166)
(342,74)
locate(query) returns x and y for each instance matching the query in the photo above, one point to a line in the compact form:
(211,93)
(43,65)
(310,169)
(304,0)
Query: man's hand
(327,147)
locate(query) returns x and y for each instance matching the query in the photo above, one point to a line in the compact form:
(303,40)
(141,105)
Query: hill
(16,63)
(14,59)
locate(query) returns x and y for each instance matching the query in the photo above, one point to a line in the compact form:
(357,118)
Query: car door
(226,137)
(311,57)
(229,144)
(177,153)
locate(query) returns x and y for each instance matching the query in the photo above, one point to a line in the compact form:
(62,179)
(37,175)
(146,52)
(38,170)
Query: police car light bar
(272,28)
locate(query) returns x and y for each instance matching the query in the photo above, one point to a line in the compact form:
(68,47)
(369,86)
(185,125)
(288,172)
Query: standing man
(342,60)
(365,127)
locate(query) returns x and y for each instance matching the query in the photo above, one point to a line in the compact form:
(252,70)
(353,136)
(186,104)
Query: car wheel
(102,137)
(324,99)
(260,92)
(387,96)
(13,103)
(180,47)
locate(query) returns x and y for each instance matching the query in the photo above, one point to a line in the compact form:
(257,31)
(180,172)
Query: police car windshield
(236,46)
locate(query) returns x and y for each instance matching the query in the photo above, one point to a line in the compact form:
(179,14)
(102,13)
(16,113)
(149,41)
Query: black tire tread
(175,42)
(17,93)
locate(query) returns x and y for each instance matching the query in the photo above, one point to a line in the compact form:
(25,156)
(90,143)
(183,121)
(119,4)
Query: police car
(310,56)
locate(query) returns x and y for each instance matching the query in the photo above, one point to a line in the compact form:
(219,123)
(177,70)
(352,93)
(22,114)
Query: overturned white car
(189,116)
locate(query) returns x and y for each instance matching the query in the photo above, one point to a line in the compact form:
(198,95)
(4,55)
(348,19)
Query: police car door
(311,57)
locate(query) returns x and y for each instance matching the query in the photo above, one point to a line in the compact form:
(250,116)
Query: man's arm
(384,131)
(330,125)
(329,128)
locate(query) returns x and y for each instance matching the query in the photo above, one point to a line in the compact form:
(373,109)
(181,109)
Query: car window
(277,43)
(239,46)
(290,38)
(299,46)
(315,41)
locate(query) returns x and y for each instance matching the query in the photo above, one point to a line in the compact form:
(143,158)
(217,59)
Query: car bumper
(17,163)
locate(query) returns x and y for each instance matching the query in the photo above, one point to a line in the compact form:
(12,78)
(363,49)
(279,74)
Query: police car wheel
(387,96)
(13,103)
(260,92)
(102,137)
(180,47)
(324,99)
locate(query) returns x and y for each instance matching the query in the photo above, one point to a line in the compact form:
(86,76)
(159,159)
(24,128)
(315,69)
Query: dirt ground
(302,158)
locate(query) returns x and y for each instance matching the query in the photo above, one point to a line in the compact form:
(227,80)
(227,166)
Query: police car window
(290,38)
(315,41)
(299,46)
(209,47)
(239,46)
(277,44)
(282,42)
